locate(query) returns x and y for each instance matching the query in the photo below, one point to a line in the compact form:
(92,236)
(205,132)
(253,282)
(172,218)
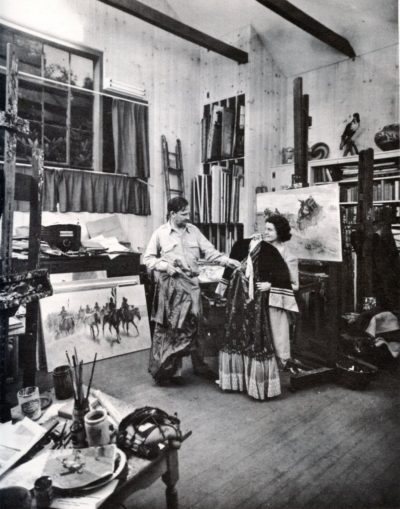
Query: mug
(29,402)
(97,427)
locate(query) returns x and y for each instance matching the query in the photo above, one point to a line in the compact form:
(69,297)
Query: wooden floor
(319,448)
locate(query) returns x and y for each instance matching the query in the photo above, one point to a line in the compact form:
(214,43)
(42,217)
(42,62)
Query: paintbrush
(91,378)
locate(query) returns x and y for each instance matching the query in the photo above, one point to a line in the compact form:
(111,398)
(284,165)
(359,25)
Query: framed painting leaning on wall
(314,216)
(105,316)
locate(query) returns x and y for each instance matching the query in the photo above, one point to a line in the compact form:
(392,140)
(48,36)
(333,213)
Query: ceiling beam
(173,26)
(309,24)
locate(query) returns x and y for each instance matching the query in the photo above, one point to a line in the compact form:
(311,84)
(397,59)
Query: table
(142,473)
(126,264)
(139,473)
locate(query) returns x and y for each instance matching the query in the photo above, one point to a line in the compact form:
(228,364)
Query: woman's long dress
(248,360)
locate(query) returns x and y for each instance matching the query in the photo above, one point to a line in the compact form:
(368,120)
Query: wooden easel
(29,188)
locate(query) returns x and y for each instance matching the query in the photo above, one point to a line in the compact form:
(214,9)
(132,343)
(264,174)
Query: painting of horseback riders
(110,320)
(314,216)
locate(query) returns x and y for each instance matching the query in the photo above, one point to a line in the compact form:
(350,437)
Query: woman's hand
(232,264)
(263,286)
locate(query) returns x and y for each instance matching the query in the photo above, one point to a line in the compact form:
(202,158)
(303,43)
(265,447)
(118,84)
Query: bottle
(43,490)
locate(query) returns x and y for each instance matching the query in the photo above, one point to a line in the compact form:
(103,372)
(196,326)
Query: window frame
(80,50)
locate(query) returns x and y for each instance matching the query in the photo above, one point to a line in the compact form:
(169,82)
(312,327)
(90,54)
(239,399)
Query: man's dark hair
(282,226)
(176,204)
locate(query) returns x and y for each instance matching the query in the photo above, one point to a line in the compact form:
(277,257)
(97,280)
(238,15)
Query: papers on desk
(16,440)
(111,244)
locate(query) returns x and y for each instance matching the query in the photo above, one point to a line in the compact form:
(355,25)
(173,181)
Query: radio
(66,237)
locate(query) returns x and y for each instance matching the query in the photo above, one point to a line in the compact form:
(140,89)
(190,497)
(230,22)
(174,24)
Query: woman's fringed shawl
(247,361)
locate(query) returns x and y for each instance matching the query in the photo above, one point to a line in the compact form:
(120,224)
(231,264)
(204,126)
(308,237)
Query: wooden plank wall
(134,53)
(368,85)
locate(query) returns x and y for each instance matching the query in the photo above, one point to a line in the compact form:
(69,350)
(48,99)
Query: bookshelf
(216,191)
(386,184)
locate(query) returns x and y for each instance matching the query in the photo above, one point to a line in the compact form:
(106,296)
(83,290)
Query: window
(61,107)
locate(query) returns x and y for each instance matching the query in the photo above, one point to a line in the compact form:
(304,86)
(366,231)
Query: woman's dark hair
(176,204)
(282,226)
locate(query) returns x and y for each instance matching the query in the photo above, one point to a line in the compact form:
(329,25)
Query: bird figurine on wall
(347,144)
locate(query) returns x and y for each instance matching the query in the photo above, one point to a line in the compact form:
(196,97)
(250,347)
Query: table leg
(170,479)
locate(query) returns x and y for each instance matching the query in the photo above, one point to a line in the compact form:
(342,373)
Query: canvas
(314,216)
(108,317)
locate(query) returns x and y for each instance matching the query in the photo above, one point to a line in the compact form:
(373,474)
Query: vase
(387,138)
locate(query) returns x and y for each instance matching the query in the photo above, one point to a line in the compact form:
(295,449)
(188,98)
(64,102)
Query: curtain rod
(76,87)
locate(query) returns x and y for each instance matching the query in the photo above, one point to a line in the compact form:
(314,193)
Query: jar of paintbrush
(81,400)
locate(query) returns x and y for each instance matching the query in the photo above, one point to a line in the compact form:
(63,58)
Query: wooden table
(126,264)
(142,473)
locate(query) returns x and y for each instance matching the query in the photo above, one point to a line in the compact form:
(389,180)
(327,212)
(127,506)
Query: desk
(127,264)
(138,473)
(142,473)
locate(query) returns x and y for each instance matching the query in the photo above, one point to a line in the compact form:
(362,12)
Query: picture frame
(104,316)
(314,217)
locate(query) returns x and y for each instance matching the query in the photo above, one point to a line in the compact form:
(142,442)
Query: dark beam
(309,24)
(177,28)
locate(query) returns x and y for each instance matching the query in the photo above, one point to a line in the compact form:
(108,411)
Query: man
(173,253)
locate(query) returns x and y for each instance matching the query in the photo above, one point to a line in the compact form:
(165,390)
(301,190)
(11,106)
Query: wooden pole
(10,151)
(365,219)
(301,124)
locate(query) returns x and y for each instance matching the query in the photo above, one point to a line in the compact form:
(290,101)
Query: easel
(29,187)
(324,278)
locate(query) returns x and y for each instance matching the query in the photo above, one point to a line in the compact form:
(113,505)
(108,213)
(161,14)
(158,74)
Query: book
(228,119)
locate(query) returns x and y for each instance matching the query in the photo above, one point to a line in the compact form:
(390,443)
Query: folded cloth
(381,323)
(393,346)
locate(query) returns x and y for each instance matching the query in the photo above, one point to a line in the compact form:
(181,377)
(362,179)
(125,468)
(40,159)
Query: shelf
(341,161)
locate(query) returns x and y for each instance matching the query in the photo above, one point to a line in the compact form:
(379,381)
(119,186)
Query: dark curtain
(130,134)
(86,191)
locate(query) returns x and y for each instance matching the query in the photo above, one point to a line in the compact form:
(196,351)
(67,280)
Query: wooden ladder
(173,169)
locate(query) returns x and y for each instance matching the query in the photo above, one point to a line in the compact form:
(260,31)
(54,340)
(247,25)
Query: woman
(260,307)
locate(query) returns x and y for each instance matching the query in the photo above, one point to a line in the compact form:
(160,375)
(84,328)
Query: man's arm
(151,257)
(213,255)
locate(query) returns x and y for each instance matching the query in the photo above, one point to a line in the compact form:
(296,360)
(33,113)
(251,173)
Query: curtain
(86,191)
(130,134)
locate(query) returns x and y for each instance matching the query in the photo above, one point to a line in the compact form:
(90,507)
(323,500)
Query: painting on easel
(314,217)
(106,316)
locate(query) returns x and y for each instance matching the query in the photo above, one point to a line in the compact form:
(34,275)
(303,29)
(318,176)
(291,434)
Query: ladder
(173,169)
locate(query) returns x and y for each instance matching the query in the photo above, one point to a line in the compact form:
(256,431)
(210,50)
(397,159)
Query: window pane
(55,145)
(82,73)
(5,37)
(56,64)
(29,53)
(29,101)
(25,143)
(82,110)
(81,149)
(55,106)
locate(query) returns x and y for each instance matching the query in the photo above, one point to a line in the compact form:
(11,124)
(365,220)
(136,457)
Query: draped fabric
(248,358)
(176,312)
(130,134)
(86,191)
